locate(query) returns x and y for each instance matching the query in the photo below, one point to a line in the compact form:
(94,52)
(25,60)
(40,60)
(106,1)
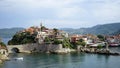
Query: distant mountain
(116,33)
(9,32)
(106,29)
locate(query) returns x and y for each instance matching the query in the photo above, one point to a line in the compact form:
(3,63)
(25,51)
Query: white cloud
(63,13)
(51,23)
(108,11)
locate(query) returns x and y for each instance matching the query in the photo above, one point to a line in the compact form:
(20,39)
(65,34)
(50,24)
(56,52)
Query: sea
(70,60)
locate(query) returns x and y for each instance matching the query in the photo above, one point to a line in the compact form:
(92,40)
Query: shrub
(2,44)
(56,41)
(99,46)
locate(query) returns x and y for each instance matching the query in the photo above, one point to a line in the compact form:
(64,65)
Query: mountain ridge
(105,29)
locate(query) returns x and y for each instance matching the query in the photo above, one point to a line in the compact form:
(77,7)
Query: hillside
(106,29)
(9,32)
(116,33)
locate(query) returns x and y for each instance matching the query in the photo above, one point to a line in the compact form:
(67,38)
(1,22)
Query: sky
(58,13)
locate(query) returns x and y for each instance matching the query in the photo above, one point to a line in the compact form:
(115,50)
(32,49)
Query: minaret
(41,24)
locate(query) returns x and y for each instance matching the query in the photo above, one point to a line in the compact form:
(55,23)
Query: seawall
(34,47)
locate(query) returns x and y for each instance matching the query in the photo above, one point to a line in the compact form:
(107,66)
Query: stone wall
(42,48)
(34,47)
(19,47)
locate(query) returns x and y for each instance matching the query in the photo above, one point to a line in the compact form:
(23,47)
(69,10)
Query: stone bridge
(15,48)
(32,47)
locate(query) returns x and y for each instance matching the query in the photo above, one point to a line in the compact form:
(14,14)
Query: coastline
(3,58)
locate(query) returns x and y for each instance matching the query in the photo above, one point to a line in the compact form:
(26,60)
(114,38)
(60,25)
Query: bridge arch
(15,50)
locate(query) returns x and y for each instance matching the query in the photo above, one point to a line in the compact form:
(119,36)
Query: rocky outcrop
(3,58)
(97,51)
(1,61)
(45,48)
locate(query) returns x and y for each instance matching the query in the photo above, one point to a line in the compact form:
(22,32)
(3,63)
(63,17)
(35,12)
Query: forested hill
(106,29)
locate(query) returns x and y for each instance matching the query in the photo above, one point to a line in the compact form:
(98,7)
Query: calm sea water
(5,40)
(71,60)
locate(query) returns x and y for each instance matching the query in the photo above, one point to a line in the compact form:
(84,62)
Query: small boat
(114,45)
(20,58)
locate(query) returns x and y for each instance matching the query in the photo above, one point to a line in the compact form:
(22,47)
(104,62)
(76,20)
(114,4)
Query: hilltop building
(44,32)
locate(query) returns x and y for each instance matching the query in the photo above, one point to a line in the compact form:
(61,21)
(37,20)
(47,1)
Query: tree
(55,31)
(22,38)
(47,40)
(42,28)
(56,41)
(2,44)
(99,46)
(80,42)
(101,37)
(66,43)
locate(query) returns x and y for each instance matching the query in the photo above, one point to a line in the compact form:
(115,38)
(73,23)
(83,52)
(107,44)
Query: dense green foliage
(99,46)
(81,42)
(2,44)
(66,43)
(48,40)
(101,37)
(22,38)
(56,41)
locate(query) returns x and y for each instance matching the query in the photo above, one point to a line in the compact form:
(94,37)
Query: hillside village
(43,35)
(59,41)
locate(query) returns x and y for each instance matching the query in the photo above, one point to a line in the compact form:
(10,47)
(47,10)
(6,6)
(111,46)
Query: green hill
(106,29)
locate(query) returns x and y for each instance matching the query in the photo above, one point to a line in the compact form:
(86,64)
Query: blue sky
(58,13)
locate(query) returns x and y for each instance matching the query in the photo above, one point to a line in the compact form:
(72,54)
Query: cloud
(108,11)
(52,23)
(60,13)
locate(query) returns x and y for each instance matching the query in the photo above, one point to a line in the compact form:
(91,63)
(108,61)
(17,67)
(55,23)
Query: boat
(20,58)
(114,45)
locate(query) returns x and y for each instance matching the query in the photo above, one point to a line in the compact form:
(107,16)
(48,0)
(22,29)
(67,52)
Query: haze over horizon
(58,13)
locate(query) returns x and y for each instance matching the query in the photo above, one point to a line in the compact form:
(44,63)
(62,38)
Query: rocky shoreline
(3,58)
(98,51)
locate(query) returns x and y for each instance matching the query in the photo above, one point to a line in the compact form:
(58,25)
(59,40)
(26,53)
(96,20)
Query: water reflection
(71,60)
